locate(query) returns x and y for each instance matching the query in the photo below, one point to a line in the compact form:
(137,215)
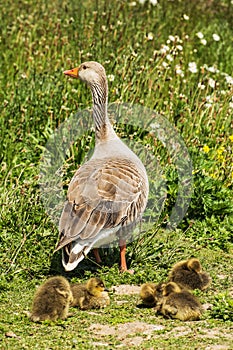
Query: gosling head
(194,265)
(171,287)
(90,72)
(95,286)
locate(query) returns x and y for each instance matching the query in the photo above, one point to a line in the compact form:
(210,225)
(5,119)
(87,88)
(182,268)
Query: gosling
(52,300)
(180,303)
(151,293)
(189,274)
(91,295)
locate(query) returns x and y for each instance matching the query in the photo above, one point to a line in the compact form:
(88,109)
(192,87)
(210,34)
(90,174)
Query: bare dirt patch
(126,332)
(128,289)
(135,333)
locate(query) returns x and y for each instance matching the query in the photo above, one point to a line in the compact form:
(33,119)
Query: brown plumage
(52,300)
(151,293)
(91,295)
(189,274)
(108,194)
(180,303)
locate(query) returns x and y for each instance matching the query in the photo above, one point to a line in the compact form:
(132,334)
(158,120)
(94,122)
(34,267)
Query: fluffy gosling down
(151,293)
(91,295)
(180,303)
(52,300)
(189,274)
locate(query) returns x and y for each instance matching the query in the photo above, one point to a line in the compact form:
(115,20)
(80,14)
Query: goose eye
(84,67)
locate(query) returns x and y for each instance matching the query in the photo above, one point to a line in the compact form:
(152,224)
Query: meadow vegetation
(174,57)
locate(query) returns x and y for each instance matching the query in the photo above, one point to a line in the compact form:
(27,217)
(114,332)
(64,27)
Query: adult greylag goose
(108,194)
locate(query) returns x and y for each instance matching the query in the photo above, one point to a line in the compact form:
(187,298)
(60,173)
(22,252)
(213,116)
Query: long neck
(103,128)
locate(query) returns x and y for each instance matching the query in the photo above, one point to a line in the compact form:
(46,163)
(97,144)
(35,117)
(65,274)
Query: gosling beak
(72,72)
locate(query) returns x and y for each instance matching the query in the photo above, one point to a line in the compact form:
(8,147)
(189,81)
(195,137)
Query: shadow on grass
(109,258)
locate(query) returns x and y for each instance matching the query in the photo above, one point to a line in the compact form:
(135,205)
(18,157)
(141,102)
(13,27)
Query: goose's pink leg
(122,244)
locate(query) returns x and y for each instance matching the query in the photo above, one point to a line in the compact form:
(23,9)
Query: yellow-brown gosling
(91,295)
(52,300)
(189,274)
(180,303)
(151,293)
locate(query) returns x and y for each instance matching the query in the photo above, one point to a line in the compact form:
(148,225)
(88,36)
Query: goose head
(91,72)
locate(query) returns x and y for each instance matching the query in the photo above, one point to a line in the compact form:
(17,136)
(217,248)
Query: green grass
(38,40)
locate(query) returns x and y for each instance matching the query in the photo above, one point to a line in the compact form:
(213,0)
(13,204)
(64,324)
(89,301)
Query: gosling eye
(84,67)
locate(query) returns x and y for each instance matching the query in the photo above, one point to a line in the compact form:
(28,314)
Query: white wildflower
(201,86)
(211,69)
(153,2)
(211,83)
(164,64)
(169,58)
(133,3)
(203,41)
(200,35)
(179,47)
(177,38)
(179,70)
(231,105)
(150,36)
(171,38)
(192,67)
(216,37)
(111,77)
(229,79)
(223,92)
(182,96)
(186,17)
(164,49)
(142,2)
(209,99)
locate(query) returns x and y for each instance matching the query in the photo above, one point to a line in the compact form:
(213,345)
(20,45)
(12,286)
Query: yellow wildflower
(231,138)
(206,149)
(220,157)
(220,150)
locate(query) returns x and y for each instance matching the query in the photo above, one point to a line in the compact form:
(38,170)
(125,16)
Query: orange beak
(72,72)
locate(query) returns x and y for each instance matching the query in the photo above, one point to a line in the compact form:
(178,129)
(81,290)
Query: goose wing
(103,194)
